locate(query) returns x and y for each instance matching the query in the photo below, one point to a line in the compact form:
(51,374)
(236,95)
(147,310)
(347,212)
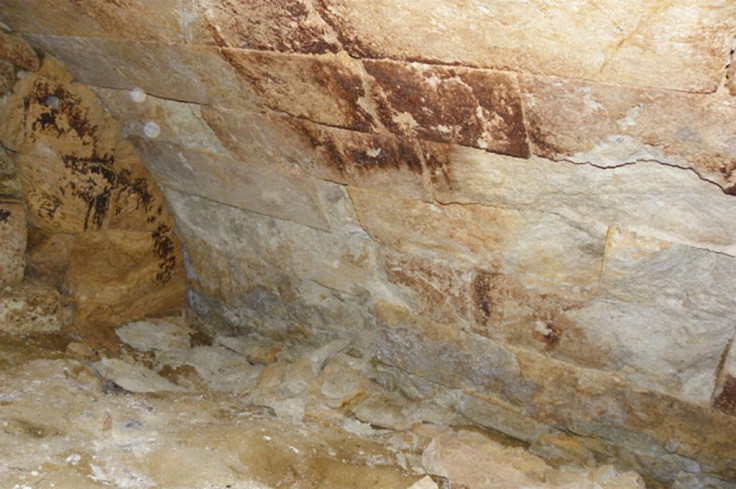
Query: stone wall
(79,213)
(527,204)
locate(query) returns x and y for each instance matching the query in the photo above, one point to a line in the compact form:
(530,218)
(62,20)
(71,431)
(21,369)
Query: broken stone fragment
(133,377)
(148,336)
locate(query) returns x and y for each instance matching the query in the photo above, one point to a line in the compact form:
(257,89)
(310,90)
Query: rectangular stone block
(656,199)
(29,308)
(281,25)
(159,20)
(287,193)
(478,108)
(327,88)
(675,46)
(610,126)
(545,251)
(664,312)
(200,74)
(12,240)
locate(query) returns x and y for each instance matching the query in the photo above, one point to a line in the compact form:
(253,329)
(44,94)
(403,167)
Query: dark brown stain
(56,102)
(726,400)
(4,215)
(481,289)
(354,154)
(93,183)
(164,248)
(356,47)
(452,105)
(268,75)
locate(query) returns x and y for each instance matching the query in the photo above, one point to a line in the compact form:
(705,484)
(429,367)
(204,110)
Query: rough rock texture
(99,229)
(29,308)
(524,209)
(12,241)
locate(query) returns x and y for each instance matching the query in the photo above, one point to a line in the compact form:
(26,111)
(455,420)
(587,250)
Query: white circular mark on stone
(137,95)
(151,130)
(53,102)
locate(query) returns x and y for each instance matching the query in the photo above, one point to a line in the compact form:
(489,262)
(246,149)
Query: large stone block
(327,88)
(479,108)
(159,20)
(609,126)
(12,240)
(282,25)
(198,74)
(287,193)
(545,251)
(655,199)
(674,46)
(607,414)
(260,251)
(117,276)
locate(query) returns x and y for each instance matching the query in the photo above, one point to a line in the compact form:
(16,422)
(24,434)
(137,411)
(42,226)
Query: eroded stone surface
(12,240)
(611,126)
(539,247)
(652,198)
(334,84)
(477,108)
(29,308)
(284,25)
(650,45)
(724,396)
(116,276)
(15,50)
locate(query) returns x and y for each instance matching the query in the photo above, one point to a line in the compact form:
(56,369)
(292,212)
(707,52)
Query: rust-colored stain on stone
(333,85)
(274,25)
(726,400)
(164,249)
(477,108)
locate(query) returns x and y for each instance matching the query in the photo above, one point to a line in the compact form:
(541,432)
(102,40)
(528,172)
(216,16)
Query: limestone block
(28,308)
(287,193)
(333,83)
(610,126)
(132,377)
(160,20)
(284,25)
(547,252)
(199,74)
(656,199)
(119,276)
(674,46)
(478,108)
(381,161)
(12,240)
(176,122)
(663,310)
(610,415)
(249,250)
(14,49)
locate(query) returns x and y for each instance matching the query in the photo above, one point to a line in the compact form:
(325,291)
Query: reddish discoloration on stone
(478,108)
(325,89)
(506,311)
(281,25)
(726,400)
